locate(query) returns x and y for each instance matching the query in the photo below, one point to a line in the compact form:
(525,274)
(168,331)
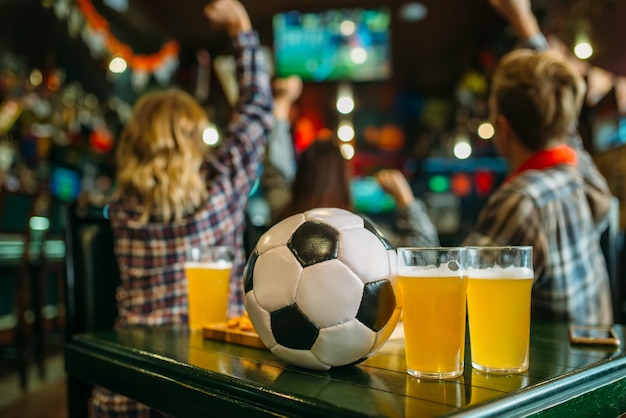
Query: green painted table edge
(180,389)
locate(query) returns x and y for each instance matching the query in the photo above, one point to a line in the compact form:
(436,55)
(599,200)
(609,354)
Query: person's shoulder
(545,184)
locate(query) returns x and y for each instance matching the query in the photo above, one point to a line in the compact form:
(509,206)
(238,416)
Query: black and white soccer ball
(320,289)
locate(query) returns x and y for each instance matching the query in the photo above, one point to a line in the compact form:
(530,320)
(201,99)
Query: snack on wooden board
(241,323)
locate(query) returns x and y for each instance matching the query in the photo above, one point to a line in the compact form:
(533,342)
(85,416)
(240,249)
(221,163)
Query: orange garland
(148,63)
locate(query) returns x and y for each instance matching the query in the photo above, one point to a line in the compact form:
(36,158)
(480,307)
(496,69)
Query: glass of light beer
(208,271)
(500,280)
(433,290)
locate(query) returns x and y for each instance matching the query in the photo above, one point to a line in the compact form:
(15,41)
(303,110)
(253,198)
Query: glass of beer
(208,271)
(433,290)
(500,280)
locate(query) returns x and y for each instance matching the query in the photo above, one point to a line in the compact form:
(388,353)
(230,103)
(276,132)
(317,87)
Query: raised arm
(520,15)
(241,153)
(413,226)
(280,152)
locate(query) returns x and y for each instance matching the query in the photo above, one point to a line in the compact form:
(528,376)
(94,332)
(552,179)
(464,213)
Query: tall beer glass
(433,290)
(208,271)
(498,300)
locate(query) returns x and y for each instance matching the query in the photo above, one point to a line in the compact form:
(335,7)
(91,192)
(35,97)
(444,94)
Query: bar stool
(48,225)
(92,276)
(16,257)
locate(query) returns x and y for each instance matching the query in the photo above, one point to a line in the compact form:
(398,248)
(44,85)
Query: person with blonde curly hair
(173,191)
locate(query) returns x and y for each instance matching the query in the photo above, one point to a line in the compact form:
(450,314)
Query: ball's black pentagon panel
(314,242)
(292,329)
(377,304)
(371,226)
(248,274)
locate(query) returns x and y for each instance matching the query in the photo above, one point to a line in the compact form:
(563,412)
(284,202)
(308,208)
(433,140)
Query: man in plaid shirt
(190,196)
(554,199)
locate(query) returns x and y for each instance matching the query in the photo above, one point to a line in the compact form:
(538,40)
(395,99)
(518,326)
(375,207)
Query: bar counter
(186,375)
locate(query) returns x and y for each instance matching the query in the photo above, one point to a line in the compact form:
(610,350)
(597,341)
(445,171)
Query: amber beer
(208,277)
(433,316)
(498,300)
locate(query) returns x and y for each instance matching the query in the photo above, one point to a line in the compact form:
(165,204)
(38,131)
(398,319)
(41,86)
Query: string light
(485,130)
(210,136)
(345,132)
(117,65)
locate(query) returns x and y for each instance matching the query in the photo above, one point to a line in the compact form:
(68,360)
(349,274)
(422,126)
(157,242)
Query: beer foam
(430,271)
(215,265)
(498,272)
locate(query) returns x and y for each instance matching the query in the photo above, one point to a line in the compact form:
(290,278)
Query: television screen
(65,184)
(369,198)
(336,44)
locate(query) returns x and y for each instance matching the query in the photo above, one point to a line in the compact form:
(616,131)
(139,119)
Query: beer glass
(500,280)
(208,271)
(433,290)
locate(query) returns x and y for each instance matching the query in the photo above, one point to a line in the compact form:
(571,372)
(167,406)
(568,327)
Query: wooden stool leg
(39,324)
(60,274)
(21,333)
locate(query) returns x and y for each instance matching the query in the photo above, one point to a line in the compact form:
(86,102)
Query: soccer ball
(320,289)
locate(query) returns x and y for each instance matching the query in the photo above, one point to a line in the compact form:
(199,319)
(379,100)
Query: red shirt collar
(560,154)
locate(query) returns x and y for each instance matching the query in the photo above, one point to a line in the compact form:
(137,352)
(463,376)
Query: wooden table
(188,376)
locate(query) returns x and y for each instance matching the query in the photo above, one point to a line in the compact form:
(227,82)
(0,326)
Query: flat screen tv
(333,45)
(369,198)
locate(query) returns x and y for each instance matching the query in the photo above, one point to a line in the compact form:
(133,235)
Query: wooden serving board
(221,332)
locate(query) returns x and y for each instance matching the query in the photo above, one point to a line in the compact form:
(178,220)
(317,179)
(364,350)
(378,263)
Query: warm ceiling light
(583,50)
(210,135)
(345,132)
(347,151)
(486,130)
(118,65)
(345,105)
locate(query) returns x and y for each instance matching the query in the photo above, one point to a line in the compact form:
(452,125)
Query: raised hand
(229,15)
(393,182)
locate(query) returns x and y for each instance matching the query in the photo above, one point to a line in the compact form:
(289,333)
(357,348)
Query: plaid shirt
(153,288)
(560,210)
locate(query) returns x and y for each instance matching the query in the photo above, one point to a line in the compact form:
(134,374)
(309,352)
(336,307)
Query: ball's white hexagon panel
(329,293)
(302,358)
(279,234)
(343,344)
(275,280)
(363,252)
(260,318)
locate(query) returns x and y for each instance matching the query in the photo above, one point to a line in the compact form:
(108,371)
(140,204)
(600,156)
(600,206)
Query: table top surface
(196,368)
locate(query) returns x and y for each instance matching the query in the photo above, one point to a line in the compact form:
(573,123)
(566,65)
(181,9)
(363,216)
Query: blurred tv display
(334,44)
(369,198)
(65,184)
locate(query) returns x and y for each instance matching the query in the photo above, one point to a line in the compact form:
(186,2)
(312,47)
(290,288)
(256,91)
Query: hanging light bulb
(210,135)
(345,132)
(583,48)
(462,148)
(345,101)
(347,151)
(117,65)
(485,130)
